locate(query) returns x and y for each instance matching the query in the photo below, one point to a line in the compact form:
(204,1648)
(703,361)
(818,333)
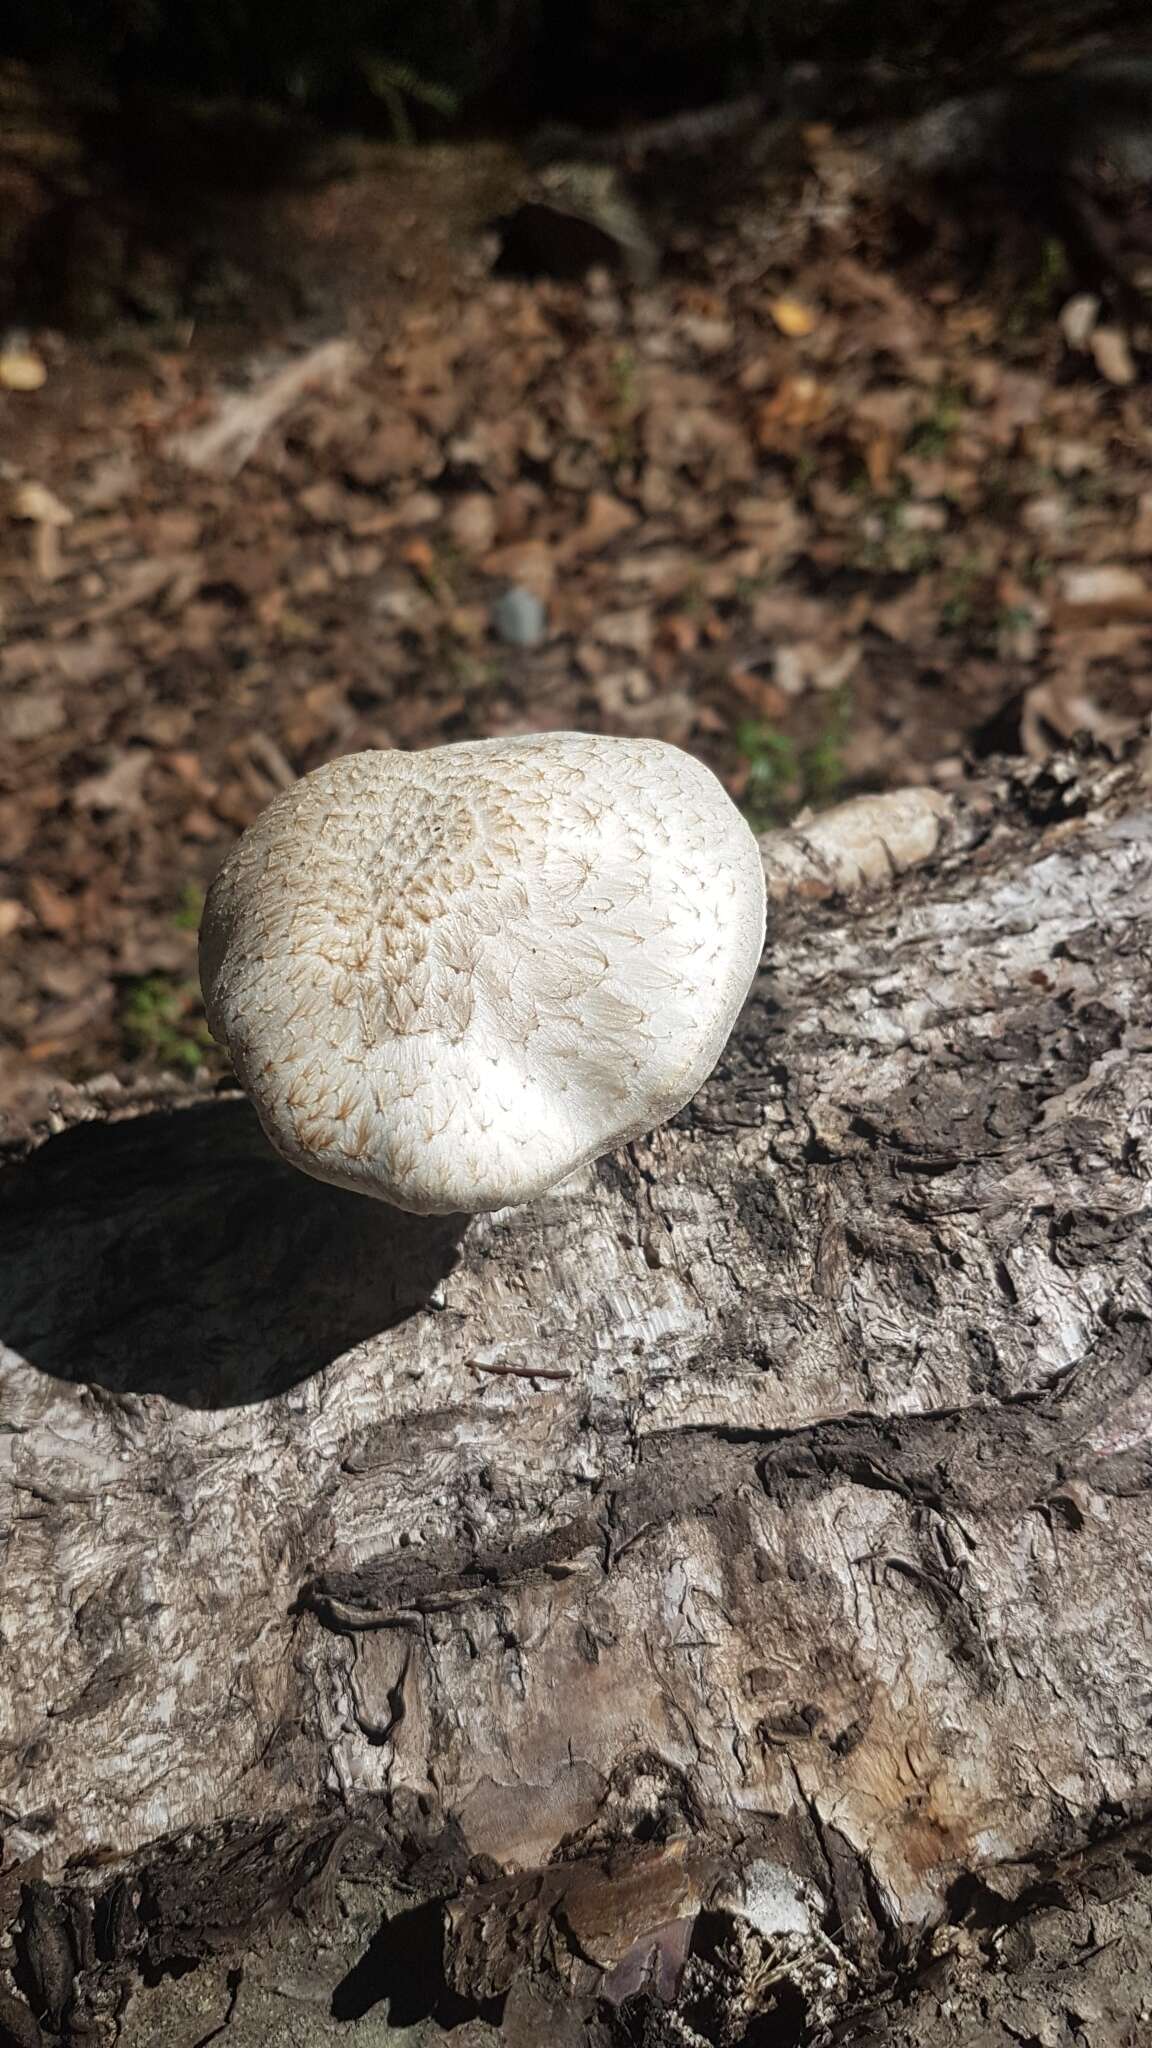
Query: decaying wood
(685,1607)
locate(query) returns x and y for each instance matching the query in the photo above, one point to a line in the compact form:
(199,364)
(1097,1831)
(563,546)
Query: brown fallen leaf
(32,714)
(55,911)
(630,630)
(271,761)
(118,788)
(766,699)
(21,370)
(793,317)
(530,563)
(605,518)
(472,522)
(798,402)
(1112,355)
(177,577)
(1078,317)
(1054,708)
(879,455)
(200,825)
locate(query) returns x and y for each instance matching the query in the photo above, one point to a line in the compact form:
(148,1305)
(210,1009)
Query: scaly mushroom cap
(448,979)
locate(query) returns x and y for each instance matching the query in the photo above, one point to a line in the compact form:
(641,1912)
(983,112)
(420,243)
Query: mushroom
(48,515)
(448,979)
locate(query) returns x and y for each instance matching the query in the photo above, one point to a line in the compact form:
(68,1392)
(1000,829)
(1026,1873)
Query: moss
(160,1022)
(785,773)
(190,909)
(933,435)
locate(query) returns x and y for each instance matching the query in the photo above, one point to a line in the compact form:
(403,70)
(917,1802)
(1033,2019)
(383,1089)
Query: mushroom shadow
(404,1963)
(175,1254)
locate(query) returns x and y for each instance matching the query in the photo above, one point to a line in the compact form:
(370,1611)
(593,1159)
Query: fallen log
(693,1604)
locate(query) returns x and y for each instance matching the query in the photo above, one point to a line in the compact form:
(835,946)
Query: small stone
(519,617)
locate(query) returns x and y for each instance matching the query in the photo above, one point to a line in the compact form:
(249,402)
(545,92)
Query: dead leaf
(680,632)
(631,630)
(1112,355)
(529,563)
(33,714)
(419,508)
(118,788)
(21,370)
(271,761)
(89,657)
(55,911)
(1140,538)
(793,317)
(1078,318)
(766,699)
(799,402)
(912,615)
(201,825)
(879,455)
(774,524)
(472,522)
(711,336)
(605,518)
(109,481)
(326,502)
(1052,708)
(629,702)
(177,576)
(808,665)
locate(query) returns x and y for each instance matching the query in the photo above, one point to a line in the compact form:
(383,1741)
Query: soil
(819,503)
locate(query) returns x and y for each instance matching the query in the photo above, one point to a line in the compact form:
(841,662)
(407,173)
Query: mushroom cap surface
(448,979)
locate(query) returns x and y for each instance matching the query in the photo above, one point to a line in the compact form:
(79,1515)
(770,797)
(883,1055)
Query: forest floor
(826,513)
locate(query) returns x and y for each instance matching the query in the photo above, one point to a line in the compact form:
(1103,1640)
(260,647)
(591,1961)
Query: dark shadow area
(176,1254)
(404,1963)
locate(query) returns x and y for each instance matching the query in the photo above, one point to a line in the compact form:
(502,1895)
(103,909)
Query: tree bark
(679,1611)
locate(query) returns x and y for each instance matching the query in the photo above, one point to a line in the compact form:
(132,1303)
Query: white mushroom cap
(448,979)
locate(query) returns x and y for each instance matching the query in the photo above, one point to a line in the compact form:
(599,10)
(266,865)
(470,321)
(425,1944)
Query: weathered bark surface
(749,1543)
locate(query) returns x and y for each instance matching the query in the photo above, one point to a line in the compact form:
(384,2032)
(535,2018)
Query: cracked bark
(692,1604)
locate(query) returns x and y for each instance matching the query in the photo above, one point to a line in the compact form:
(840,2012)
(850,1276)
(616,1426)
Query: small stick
(522,1372)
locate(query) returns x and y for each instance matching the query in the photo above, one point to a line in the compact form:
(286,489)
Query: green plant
(785,773)
(1049,282)
(887,545)
(625,406)
(160,1022)
(1013,618)
(190,909)
(822,761)
(933,435)
(962,604)
(805,466)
